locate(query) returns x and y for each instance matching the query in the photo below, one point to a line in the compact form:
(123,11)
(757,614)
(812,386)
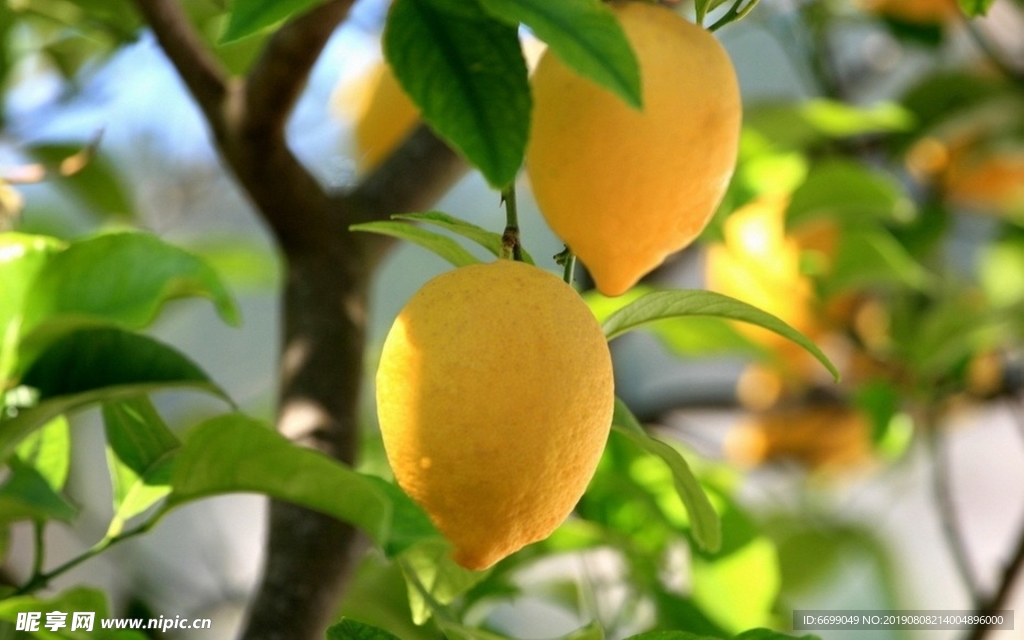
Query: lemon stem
(511,247)
(568,261)
(733,14)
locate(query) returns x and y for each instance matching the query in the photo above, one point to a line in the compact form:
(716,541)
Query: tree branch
(202,74)
(948,511)
(999,599)
(412,178)
(309,556)
(279,75)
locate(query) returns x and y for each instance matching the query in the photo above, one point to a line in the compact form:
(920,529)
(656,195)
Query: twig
(734,13)
(999,599)
(203,75)
(511,245)
(279,75)
(947,510)
(995,56)
(40,579)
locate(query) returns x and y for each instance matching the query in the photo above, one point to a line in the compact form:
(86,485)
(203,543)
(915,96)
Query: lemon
(923,12)
(384,115)
(495,397)
(624,188)
(760,264)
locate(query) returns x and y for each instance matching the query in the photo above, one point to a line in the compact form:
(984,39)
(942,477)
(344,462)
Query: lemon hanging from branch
(624,188)
(495,399)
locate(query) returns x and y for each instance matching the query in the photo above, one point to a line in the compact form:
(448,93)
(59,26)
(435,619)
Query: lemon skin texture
(495,397)
(624,188)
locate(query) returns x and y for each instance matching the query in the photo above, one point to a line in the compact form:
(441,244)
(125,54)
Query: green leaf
(349,629)
(670,304)
(87,177)
(80,599)
(489,240)
(442,246)
(90,359)
(466,73)
(27,495)
(48,451)
(974,8)
(838,119)
(851,192)
(249,16)
(123,279)
(434,578)
(585,35)
(21,258)
(704,522)
(234,453)
(92,365)
(689,336)
(703,6)
(410,525)
(737,590)
(140,450)
(872,257)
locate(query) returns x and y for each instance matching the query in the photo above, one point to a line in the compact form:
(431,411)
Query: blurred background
(877,207)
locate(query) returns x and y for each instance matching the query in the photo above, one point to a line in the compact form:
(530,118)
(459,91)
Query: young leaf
(27,495)
(410,524)
(851,192)
(584,34)
(466,73)
(671,304)
(738,588)
(122,279)
(234,453)
(349,629)
(92,365)
(21,258)
(869,256)
(48,451)
(489,240)
(704,522)
(975,8)
(442,246)
(139,455)
(249,16)
(434,578)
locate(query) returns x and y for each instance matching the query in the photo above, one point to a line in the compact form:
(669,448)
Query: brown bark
(309,556)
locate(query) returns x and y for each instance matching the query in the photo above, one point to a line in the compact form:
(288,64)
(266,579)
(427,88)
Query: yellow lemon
(624,188)
(914,11)
(760,265)
(384,115)
(821,437)
(495,397)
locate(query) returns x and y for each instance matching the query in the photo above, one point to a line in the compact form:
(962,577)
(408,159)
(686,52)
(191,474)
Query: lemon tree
(498,459)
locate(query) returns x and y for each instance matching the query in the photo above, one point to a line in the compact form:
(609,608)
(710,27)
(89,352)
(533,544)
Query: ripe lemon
(821,437)
(384,115)
(760,265)
(495,397)
(923,12)
(625,188)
